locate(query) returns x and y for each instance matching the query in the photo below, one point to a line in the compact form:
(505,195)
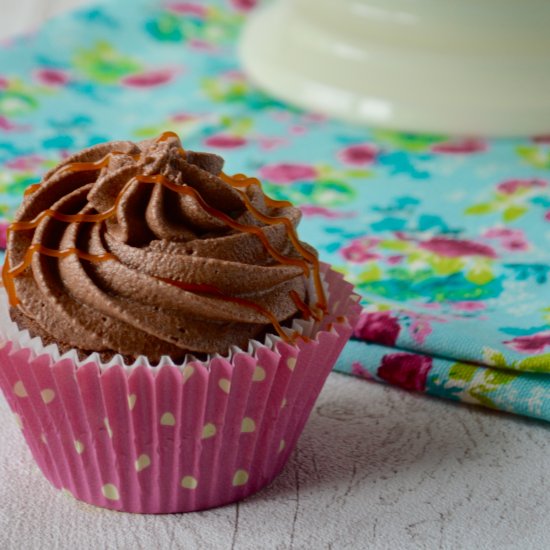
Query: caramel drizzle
(14,272)
(166,136)
(238,180)
(68,218)
(31,189)
(242,180)
(299,303)
(191,192)
(9,274)
(214,291)
(83,167)
(291,233)
(306,310)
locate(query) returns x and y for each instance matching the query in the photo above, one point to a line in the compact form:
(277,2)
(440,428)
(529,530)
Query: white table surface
(376,468)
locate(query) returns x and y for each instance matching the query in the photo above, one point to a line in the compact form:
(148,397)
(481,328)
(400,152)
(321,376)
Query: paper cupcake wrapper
(172,438)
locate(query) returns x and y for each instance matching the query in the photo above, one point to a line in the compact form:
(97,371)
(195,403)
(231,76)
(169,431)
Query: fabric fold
(491,387)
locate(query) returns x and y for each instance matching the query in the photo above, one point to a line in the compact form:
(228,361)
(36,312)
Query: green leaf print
(537,363)
(399,246)
(166,27)
(499,377)
(480,274)
(462,371)
(16,184)
(445,266)
(414,143)
(372,273)
(481,208)
(103,64)
(478,383)
(219,26)
(321,193)
(332,193)
(478,395)
(495,358)
(240,126)
(14,103)
(539,157)
(513,212)
(357,173)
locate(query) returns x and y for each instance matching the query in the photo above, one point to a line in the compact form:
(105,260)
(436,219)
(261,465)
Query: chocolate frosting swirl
(158,238)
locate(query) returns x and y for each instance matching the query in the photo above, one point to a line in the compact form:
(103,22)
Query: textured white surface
(375,468)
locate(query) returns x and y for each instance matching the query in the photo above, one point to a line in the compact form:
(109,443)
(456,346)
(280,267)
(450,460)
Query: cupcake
(165,332)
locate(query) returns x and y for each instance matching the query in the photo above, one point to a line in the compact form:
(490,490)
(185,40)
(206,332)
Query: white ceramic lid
(459,67)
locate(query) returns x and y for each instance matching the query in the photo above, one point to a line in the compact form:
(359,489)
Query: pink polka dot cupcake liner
(171,438)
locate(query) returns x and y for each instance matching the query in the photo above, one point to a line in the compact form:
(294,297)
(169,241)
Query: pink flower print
(52,77)
(4,83)
(30,162)
(270,143)
(545,139)
(188,8)
(285,173)
(358,251)
(361,154)
(463,146)
(419,329)
(547,216)
(396,259)
(501,232)
(149,79)
(314,117)
(509,187)
(298,130)
(359,370)
(244,5)
(356,254)
(455,248)
(510,239)
(225,141)
(202,45)
(183,117)
(3,233)
(406,370)
(312,210)
(468,305)
(515,244)
(7,126)
(402,236)
(235,75)
(535,343)
(281,116)
(380,327)
(431,305)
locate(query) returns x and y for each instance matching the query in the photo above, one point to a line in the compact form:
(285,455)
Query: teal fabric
(446,238)
(526,393)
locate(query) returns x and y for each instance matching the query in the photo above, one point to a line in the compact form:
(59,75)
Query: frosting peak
(147,249)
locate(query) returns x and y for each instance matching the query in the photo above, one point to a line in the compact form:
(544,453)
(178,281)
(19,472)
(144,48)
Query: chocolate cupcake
(169,332)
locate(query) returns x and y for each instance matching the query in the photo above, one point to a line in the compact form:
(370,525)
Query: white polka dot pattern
(189,482)
(167,419)
(110,492)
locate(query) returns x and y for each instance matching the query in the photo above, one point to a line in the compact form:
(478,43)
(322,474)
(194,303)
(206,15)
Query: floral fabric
(446,238)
